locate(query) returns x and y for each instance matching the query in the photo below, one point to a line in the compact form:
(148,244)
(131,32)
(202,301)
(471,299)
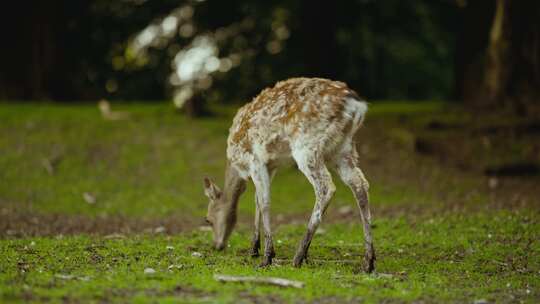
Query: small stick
(50,163)
(261,280)
(48,166)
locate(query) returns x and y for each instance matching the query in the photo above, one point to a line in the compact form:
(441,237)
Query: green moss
(455,258)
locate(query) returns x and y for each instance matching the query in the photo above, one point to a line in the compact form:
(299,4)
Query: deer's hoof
(267,261)
(369,264)
(254,252)
(255,246)
(298,260)
(369,268)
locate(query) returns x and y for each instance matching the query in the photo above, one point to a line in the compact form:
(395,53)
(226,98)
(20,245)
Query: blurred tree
(369,44)
(30,53)
(224,51)
(61,49)
(476,18)
(499,54)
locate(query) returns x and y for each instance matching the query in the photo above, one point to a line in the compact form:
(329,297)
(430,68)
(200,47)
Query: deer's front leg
(256,240)
(261,180)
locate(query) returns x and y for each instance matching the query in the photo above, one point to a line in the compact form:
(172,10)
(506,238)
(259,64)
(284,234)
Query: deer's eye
(207,221)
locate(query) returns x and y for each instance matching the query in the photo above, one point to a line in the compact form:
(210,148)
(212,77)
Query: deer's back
(311,113)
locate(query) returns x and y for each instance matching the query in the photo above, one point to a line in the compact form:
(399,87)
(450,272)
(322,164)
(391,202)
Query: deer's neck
(233,188)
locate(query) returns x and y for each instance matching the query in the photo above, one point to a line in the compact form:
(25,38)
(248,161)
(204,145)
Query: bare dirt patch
(180,292)
(507,194)
(16,224)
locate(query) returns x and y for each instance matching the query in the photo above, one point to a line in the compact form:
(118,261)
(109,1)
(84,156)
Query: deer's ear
(211,190)
(207,182)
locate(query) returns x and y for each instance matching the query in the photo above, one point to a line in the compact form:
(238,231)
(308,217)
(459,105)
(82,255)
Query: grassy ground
(444,231)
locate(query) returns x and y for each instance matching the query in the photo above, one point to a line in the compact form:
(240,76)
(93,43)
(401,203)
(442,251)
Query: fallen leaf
(89,198)
(159,229)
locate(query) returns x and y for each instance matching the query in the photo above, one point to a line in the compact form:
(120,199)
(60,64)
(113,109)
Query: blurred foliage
(384,49)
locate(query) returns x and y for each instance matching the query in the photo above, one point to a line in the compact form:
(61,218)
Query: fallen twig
(50,163)
(261,280)
(47,164)
(71,277)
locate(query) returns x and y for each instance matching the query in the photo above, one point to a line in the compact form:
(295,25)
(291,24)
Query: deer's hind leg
(318,175)
(352,175)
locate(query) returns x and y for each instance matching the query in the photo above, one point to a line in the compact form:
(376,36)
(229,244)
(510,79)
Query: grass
(441,234)
(149,166)
(452,258)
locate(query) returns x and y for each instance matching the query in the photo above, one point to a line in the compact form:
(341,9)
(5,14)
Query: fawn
(312,121)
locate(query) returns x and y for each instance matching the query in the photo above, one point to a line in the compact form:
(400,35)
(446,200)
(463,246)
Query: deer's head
(221,214)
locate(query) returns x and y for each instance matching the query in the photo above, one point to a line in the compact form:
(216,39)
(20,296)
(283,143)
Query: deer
(312,122)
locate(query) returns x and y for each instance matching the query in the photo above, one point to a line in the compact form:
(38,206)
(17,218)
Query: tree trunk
(495,72)
(196,106)
(498,65)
